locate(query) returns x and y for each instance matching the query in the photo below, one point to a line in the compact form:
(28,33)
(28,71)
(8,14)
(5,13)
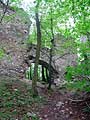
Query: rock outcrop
(14,30)
(59,61)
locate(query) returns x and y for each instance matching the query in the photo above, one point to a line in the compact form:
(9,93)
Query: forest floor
(17,103)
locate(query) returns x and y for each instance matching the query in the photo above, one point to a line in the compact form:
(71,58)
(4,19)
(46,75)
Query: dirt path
(59,107)
(56,106)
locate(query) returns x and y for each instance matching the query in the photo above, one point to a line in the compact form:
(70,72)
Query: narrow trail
(58,105)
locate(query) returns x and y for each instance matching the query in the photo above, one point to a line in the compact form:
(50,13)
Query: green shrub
(78,77)
(1,53)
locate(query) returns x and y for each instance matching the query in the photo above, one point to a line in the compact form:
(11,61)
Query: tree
(51,52)
(35,77)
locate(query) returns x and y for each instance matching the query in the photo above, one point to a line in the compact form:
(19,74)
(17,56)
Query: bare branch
(73,100)
(6,6)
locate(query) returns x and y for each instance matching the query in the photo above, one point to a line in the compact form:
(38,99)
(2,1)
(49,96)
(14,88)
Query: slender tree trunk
(47,76)
(43,76)
(50,76)
(31,72)
(35,77)
(51,52)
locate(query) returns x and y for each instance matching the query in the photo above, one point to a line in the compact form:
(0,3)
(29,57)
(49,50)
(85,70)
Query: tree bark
(31,72)
(43,76)
(51,52)
(35,77)
(47,76)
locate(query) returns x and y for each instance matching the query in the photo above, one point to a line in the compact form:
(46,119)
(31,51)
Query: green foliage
(78,77)
(35,117)
(86,109)
(63,11)
(32,38)
(16,99)
(1,53)
(15,2)
(19,13)
(30,71)
(72,20)
(9,18)
(23,15)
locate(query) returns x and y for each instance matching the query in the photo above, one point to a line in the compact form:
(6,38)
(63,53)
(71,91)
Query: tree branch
(6,6)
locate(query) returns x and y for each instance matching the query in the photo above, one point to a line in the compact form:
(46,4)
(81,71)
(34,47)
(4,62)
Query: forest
(44,59)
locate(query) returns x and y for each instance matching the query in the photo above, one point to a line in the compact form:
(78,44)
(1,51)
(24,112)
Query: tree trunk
(31,72)
(51,52)
(50,76)
(47,76)
(43,76)
(35,77)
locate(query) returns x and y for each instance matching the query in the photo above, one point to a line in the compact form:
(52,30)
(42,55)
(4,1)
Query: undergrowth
(16,101)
